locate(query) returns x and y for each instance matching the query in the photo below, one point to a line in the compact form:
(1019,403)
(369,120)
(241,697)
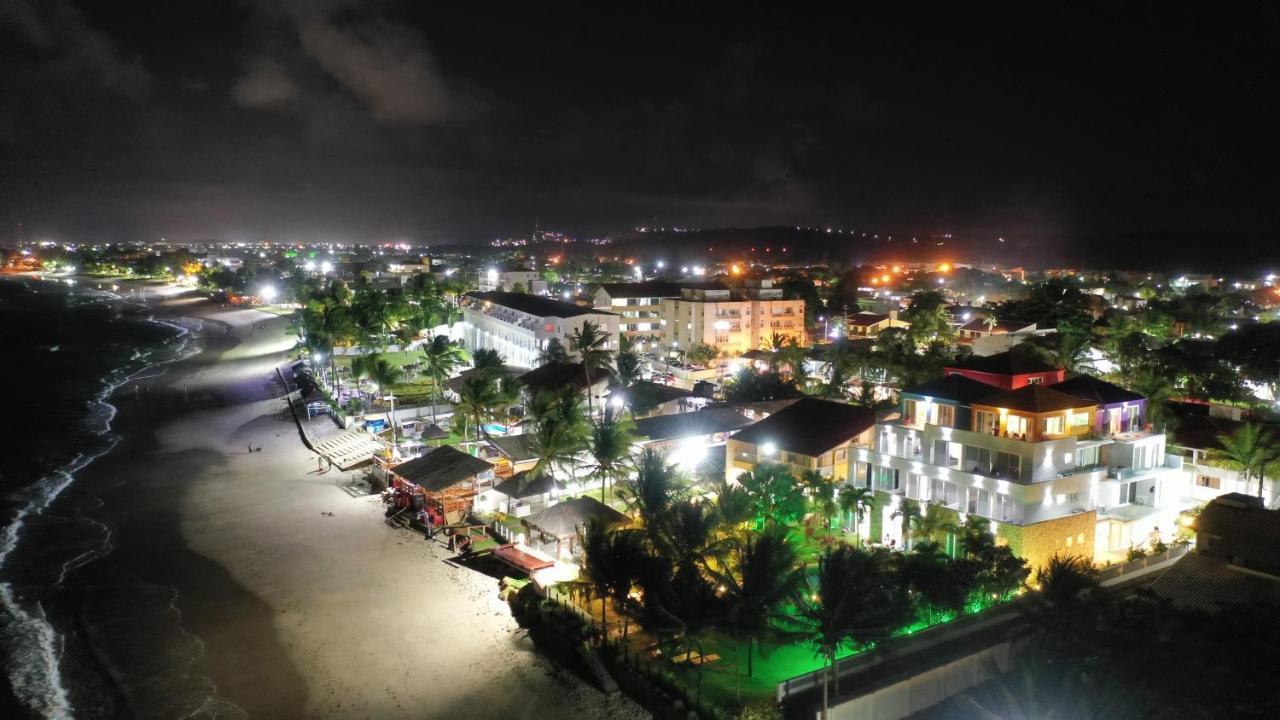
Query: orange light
(897,269)
(884,277)
(944,267)
(875,281)
(736,269)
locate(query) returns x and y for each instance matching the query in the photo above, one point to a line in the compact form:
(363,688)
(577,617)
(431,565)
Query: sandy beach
(293,598)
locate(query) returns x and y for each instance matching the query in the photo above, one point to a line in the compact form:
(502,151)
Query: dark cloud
(457,121)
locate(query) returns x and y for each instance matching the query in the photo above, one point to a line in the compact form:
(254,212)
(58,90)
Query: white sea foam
(32,647)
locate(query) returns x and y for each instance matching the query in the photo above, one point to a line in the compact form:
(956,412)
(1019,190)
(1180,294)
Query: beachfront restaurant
(554,530)
(448,481)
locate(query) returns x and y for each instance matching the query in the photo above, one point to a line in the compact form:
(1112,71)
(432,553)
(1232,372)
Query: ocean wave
(32,648)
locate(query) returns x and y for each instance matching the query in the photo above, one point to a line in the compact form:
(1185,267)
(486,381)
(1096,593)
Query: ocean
(65,350)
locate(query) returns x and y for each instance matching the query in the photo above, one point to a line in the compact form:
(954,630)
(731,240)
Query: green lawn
(398,358)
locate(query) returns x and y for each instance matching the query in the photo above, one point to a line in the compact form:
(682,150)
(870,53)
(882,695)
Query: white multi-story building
(519,326)
(512,280)
(731,321)
(1035,461)
(640,306)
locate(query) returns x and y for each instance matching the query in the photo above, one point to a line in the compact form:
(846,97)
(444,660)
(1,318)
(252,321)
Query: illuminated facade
(1039,463)
(519,326)
(731,321)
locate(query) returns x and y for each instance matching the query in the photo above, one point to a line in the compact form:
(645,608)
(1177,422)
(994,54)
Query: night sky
(461,122)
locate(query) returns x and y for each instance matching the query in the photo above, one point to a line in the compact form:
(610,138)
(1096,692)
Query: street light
(769,449)
(268,293)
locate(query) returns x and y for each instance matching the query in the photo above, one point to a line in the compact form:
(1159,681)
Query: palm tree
(610,564)
(766,575)
(559,433)
(478,399)
(733,505)
(384,376)
(853,598)
(822,495)
(650,494)
(610,444)
(929,575)
(592,347)
(909,514)
(1248,450)
(627,363)
(1066,579)
(554,352)
(360,365)
(441,358)
(487,360)
(856,501)
(935,524)
(1158,391)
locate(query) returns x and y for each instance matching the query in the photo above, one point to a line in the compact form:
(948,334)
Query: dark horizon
(390,122)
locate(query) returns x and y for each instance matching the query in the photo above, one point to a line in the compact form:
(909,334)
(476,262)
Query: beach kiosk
(558,526)
(446,479)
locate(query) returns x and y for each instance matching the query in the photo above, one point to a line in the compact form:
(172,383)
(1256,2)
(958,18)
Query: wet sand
(282,610)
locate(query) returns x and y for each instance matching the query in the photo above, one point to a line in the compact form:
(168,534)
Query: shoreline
(259,604)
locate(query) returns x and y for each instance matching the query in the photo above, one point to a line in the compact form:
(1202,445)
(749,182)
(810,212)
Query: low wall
(926,689)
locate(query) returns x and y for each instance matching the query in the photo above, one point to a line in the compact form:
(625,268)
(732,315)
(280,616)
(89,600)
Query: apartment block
(731,320)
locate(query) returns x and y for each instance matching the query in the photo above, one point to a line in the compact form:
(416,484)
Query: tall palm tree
(384,376)
(856,501)
(611,561)
(1248,450)
(592,347)
(653,490)
(440,358)
(765,575)
(610,444)
(360,365)
(627,363)
(1066,580)
(733,505)
(478,399)
(487,360)
(1158,391)
(559,433)
(909,514)
(554,352)
(855,598)
(822,495)
(935,524)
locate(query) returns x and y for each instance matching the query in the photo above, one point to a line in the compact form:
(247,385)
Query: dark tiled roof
(655,288)
(703,422)
(515,447)
(756,354)
(1009,362)
(1095,390)
(1237,527)
(810,426)
(536,304)
(657,392)
(867,319)
(440,468)
(521,485)
(565,518)
(956,388)
(1200,581)
(1034,399)
(1004,326)
(554,376)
